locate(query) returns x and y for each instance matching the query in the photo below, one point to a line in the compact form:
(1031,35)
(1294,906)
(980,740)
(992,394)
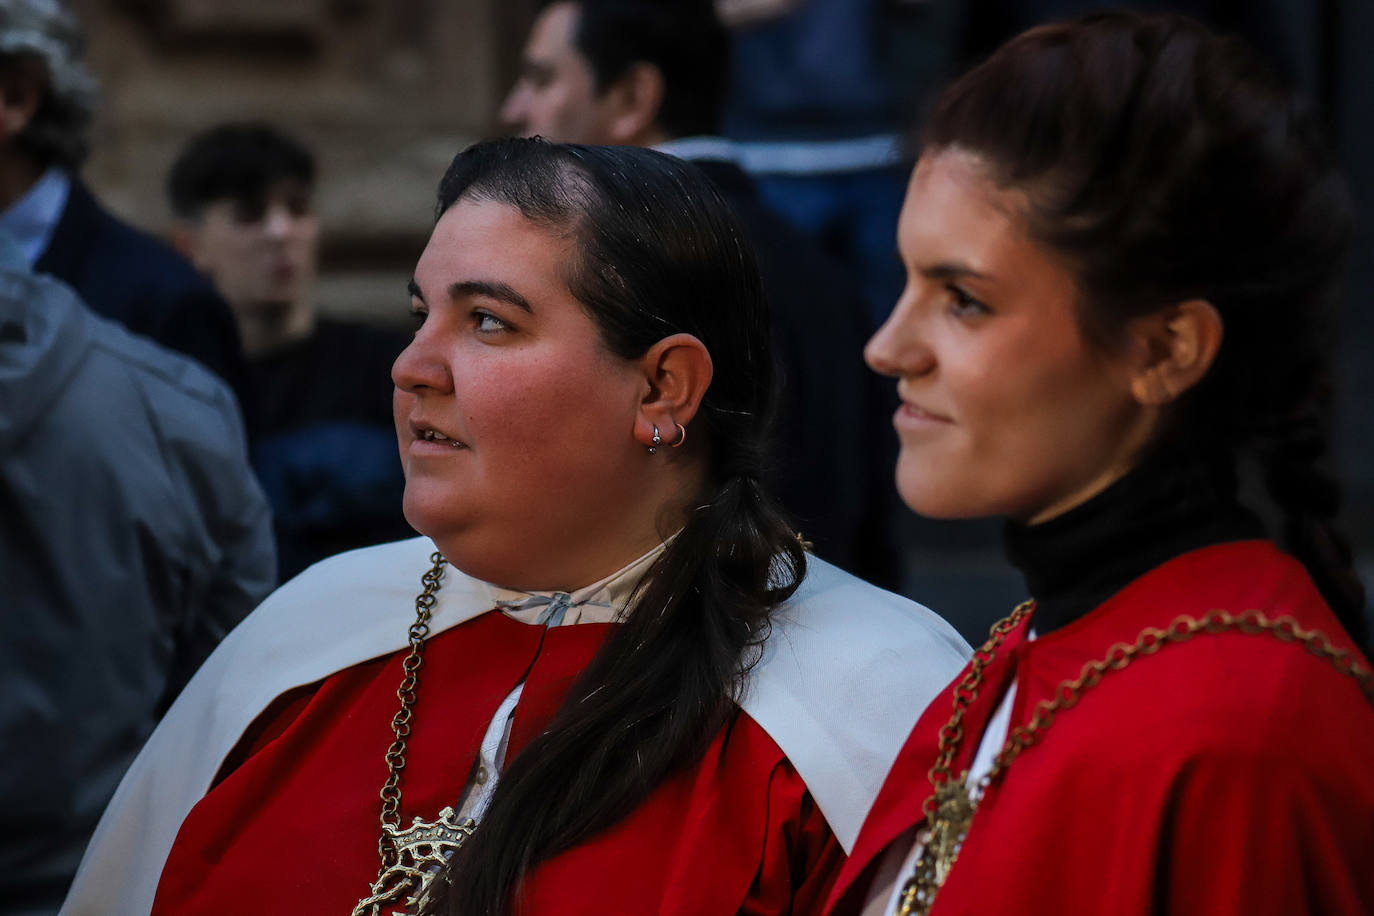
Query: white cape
(844,675)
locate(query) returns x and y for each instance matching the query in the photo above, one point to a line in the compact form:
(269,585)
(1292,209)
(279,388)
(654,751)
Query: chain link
(919,892)
(965,692)
(1150,641)
(401,722)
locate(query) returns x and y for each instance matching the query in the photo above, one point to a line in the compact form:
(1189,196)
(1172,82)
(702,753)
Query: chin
(929,499)
(435,523)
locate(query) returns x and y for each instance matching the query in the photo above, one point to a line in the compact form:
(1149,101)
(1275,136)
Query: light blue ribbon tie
(555,606)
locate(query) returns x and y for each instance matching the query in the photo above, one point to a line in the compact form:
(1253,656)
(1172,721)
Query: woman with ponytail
(623,686)
(1122,242)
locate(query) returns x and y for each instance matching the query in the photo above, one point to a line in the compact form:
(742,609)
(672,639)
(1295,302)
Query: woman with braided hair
(1122,241)
(623,687)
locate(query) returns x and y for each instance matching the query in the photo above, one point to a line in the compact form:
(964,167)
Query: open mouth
(432,435)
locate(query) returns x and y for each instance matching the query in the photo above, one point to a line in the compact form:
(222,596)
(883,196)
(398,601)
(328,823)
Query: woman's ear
(677,371)
(1178,344)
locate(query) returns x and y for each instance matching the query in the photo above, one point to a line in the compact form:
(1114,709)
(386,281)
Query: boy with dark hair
(326,450)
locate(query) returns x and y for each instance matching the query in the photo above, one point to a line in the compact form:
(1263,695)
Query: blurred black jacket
(834,446)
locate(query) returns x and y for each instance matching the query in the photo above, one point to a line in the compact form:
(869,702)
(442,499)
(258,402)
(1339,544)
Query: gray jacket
(133,537)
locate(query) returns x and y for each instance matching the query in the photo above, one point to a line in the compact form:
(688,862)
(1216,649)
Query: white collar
(601,602)
(32,219)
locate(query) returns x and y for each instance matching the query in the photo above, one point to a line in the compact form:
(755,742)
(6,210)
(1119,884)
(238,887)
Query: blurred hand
(740,13)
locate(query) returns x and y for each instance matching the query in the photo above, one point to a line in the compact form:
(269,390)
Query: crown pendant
(421,851)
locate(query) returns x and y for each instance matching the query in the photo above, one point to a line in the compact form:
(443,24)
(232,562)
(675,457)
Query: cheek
(305,240)
(1052,428)
(1026,387)
(241,242)
(511,412)
(564,410)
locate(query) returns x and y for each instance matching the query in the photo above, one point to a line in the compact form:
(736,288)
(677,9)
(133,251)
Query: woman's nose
(421,366)
(900,347)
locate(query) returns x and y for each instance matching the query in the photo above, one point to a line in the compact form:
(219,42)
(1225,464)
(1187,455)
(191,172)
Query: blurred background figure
(132,538)
(47,101)
(653,73)
(243,199)
(821,92)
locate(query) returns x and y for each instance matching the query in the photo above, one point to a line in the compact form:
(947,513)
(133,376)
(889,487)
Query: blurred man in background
(133,537)
(47,101)
(325,449)
(821,93)
(653,73)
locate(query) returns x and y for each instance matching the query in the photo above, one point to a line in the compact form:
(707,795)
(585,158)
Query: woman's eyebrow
(491,289)
(952,270)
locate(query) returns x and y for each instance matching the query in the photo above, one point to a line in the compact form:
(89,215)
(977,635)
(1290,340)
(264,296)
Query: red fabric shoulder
(1227,773)
(294,828)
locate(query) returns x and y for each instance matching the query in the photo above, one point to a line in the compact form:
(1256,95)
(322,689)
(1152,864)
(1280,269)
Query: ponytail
(651,700)
(1308,498)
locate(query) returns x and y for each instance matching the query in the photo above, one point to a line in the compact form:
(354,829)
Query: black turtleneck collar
(1164,508)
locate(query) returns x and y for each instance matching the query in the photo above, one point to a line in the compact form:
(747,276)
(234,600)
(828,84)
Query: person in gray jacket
(133,537)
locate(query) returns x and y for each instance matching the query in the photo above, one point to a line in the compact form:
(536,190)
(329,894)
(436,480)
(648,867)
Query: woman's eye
(485,321)
(417,316)
(964,305)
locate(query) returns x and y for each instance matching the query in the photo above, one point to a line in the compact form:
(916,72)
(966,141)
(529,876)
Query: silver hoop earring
(656,441)
(681,436)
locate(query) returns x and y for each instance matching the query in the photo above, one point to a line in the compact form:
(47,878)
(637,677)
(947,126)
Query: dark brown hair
(1166,163)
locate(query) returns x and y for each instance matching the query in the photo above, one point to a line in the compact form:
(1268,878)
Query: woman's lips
(913,415)
(427,439)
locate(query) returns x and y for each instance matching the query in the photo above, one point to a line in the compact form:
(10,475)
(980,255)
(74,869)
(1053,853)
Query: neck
(1165,507)
(265,328)
(555,560)
(18,173)
(665,513)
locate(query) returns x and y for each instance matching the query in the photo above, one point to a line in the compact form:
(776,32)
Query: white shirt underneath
(490,758)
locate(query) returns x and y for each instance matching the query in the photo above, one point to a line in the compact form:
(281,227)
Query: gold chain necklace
(950,808)
(414,856)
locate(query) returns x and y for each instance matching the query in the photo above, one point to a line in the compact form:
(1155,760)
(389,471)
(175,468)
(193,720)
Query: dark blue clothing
(835,69)
(326,448)
(127,275)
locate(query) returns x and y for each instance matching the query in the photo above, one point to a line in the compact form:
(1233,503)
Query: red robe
(1231,773)
(293,828)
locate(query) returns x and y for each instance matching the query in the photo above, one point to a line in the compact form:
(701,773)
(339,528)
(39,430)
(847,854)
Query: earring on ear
(656,440)
(681,436)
